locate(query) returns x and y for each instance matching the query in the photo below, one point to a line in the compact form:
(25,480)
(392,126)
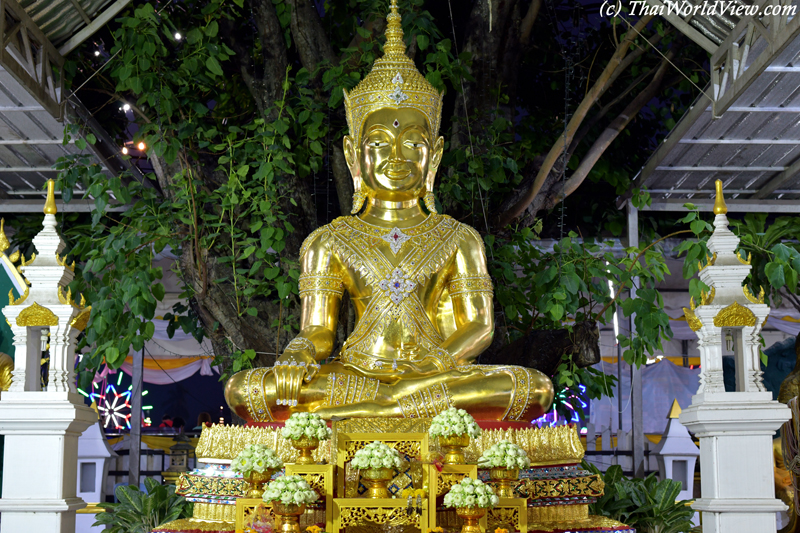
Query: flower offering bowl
(305,447)
(256,481)
(453,448)
(376,481)
(504,478)
(289,516)
(471,517)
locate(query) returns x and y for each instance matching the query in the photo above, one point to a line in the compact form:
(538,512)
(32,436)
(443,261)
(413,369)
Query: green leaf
(158,291)
(774,272)
(423,41)
(149,330)
(213,65)
(113,357)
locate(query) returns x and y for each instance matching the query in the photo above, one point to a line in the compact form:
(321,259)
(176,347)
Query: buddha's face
(396,156)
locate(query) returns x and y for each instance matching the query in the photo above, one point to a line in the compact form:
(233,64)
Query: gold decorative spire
(394,32)
(50,204)
(675,410)
(4,244)
(394,82)
(719,204)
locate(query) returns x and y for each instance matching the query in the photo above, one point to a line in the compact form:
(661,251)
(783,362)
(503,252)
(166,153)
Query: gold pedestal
(290,516)
(453,447)
(471,517)
(441,482)
(305,447)
(321,479)
(376,481)
(504,477)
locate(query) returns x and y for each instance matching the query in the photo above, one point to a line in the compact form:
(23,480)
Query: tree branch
(527,23)
(613,130)
(577,118)
(312,43)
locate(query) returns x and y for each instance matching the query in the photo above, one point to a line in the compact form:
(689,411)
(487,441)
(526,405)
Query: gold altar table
(380,511)
(509,512)
(320,477)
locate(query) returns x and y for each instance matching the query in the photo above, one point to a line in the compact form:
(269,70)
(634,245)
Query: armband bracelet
(444,358)
(300,344)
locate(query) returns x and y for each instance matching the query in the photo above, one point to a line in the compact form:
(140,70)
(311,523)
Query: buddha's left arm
(470,288)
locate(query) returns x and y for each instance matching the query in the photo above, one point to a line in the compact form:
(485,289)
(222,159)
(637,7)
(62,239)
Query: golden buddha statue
(418,281)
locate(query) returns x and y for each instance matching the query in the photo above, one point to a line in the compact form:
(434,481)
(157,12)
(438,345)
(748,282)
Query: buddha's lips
(397,173)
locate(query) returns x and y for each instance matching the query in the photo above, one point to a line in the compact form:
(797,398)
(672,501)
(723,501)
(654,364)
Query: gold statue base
(555,455)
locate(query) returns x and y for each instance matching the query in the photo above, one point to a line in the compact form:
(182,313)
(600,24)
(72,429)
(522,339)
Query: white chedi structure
(735,428)
(677,454)
(42,427)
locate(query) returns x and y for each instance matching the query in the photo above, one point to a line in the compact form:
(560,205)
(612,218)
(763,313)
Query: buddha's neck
(393,214)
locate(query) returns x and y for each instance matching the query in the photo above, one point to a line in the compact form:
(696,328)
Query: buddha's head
(393,150)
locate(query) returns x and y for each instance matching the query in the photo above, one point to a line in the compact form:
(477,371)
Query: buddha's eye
(377,144)
(414,145)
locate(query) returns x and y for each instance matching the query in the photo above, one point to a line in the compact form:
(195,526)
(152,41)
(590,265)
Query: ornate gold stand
(556,498)
(376,481)
(471,517)
(504,477)
(453,448)
(256,480)
(305,447)
(290,516)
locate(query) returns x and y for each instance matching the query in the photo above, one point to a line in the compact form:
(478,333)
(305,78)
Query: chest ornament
(397,286)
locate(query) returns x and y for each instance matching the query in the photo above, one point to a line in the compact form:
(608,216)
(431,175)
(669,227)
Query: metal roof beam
(684,27)
(734,205)
(722,169)
(766,109)
(776,181)
(731,71)
(95,25)
(16,142)
(695,191)
(30,57)
(21,170)
(35,206)
(739,141)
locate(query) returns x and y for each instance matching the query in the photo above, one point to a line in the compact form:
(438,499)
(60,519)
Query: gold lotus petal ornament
(751,297)
(17,301)
(741,259)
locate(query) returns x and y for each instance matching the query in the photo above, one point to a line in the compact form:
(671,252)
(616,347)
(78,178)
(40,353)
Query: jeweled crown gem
(394,82)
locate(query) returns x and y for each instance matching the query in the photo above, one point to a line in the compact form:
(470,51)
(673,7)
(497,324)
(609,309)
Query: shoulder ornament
(320,232)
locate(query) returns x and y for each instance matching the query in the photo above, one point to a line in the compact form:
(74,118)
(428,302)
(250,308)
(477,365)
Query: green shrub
(140,512)
(649,505)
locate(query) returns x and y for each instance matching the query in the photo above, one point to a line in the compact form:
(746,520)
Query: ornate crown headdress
(393,82)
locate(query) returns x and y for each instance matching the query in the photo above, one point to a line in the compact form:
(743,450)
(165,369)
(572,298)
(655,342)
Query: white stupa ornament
(46,304)
(735,428)
(41,422)
(728,314)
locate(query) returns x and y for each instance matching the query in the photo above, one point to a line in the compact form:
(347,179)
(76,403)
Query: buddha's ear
(351,156)
(436,159)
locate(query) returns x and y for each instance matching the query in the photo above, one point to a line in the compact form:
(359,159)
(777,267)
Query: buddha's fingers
(280,384)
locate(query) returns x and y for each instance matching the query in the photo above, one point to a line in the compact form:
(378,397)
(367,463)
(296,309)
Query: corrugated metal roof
(755,141)
(60,19)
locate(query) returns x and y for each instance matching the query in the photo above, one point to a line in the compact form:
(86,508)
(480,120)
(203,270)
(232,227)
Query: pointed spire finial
(4,244)
(675,410)
(719,204)
(50,204)
(394,32)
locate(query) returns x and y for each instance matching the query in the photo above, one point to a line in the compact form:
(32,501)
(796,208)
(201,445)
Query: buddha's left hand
(291,370)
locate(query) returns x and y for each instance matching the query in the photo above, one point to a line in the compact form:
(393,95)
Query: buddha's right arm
(321,290)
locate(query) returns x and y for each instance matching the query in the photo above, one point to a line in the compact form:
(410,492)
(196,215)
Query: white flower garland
(504,455)
(256,457)
(308,425)
(290,490)
(376,455)
(471,493)
(454,422)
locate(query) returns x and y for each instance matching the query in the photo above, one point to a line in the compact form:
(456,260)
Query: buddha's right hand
(291,370)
